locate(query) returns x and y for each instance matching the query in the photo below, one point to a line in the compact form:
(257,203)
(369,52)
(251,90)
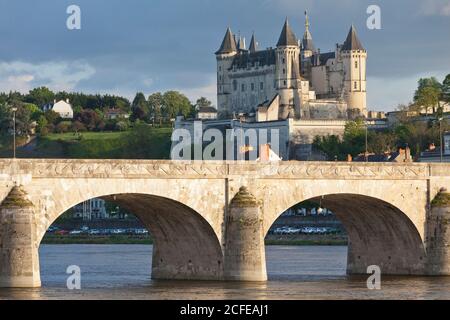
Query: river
(295,272)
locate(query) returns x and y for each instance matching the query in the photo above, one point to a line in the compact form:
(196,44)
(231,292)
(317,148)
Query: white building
(91,210)
(63,108)
(207,113)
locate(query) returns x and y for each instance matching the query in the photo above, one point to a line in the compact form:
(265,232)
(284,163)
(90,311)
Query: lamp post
(440,137)
(367,144)
(14,110)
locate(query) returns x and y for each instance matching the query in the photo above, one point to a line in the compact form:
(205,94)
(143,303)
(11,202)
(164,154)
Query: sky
(156,45)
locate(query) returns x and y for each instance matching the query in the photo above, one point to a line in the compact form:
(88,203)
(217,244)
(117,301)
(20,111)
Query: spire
(241,44)
(307,41)
(228,43)
(253,45)
(352,42)
(287,36)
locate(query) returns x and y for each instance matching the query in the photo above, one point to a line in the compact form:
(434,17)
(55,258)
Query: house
(63,108)
(115,113)
(207,113)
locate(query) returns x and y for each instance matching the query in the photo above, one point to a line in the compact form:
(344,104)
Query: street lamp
(440,137)
(14,110)
(367,145)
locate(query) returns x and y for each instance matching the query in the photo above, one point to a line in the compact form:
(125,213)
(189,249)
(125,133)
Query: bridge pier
(245,258)
(438,236)
(19,257)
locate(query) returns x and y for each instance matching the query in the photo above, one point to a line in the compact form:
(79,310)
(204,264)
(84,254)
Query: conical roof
(16,199)
(253,46)
(307,42)
(228,43)
(352,42)
(287,36)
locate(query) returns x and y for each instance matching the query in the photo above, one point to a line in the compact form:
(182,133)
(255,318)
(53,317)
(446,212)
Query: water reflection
(123,272)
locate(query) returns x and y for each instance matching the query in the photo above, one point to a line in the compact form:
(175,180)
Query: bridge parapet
(59,168)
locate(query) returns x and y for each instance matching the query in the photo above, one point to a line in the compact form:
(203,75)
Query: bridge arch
(379,232)
(186,245)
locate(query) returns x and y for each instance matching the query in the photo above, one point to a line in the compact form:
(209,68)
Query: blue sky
(157,45)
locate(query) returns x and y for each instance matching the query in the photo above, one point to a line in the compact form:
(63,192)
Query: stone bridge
(209,219)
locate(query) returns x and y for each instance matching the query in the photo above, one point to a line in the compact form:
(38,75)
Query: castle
(292,81)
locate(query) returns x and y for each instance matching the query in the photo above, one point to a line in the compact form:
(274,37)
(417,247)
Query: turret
(253,44)
(354,58)
(308,48)
(287,56)
(225,56)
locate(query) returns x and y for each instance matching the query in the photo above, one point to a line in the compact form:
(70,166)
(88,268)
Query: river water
(295,272)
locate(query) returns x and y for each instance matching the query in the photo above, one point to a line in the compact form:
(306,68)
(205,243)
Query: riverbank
(271,240)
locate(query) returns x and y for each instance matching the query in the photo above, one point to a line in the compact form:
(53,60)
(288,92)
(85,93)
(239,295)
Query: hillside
(141,143)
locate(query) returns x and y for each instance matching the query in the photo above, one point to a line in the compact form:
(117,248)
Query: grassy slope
(98,145)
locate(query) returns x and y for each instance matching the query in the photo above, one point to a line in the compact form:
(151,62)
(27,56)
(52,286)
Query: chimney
(349,158)
(264,152)
(67,100)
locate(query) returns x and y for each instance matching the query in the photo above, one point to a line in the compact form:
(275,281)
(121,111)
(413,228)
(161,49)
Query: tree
(428,97)
(40,96)
(446,89)
(41,123)
(52,117)
(139,107)
(155,104)
(203,102)
(176,103)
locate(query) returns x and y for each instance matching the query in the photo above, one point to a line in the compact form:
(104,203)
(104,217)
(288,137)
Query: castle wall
(251,80)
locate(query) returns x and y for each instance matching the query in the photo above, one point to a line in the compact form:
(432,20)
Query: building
(292,80)
(115,113)
(63,108)
(207,113)
(93,209)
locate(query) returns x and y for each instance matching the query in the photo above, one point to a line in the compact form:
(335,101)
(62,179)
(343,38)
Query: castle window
(356,64)
(284,82)
(284,61)
(243,87)
(284,71)
(253,86)
(234,85)
(220,68)
(261,86)
(355,85)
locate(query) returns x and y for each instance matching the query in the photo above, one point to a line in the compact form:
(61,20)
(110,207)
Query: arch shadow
(378,234)
(185,245)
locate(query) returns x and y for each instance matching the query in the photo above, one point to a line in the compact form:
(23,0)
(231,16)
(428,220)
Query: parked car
(75,232)
(61,232)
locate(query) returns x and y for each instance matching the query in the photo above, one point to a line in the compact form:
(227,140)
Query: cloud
(385,94)
(436,8)
(58,76)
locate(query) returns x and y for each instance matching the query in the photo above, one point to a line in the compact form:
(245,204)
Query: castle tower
(354,59)
(224,57)
(287,56)
(308,48)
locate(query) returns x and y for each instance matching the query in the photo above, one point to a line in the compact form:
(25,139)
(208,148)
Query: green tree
(139,107)
(176,103)
(203,102)
(446,89)
(155,104)
(428,94)
(40,96)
